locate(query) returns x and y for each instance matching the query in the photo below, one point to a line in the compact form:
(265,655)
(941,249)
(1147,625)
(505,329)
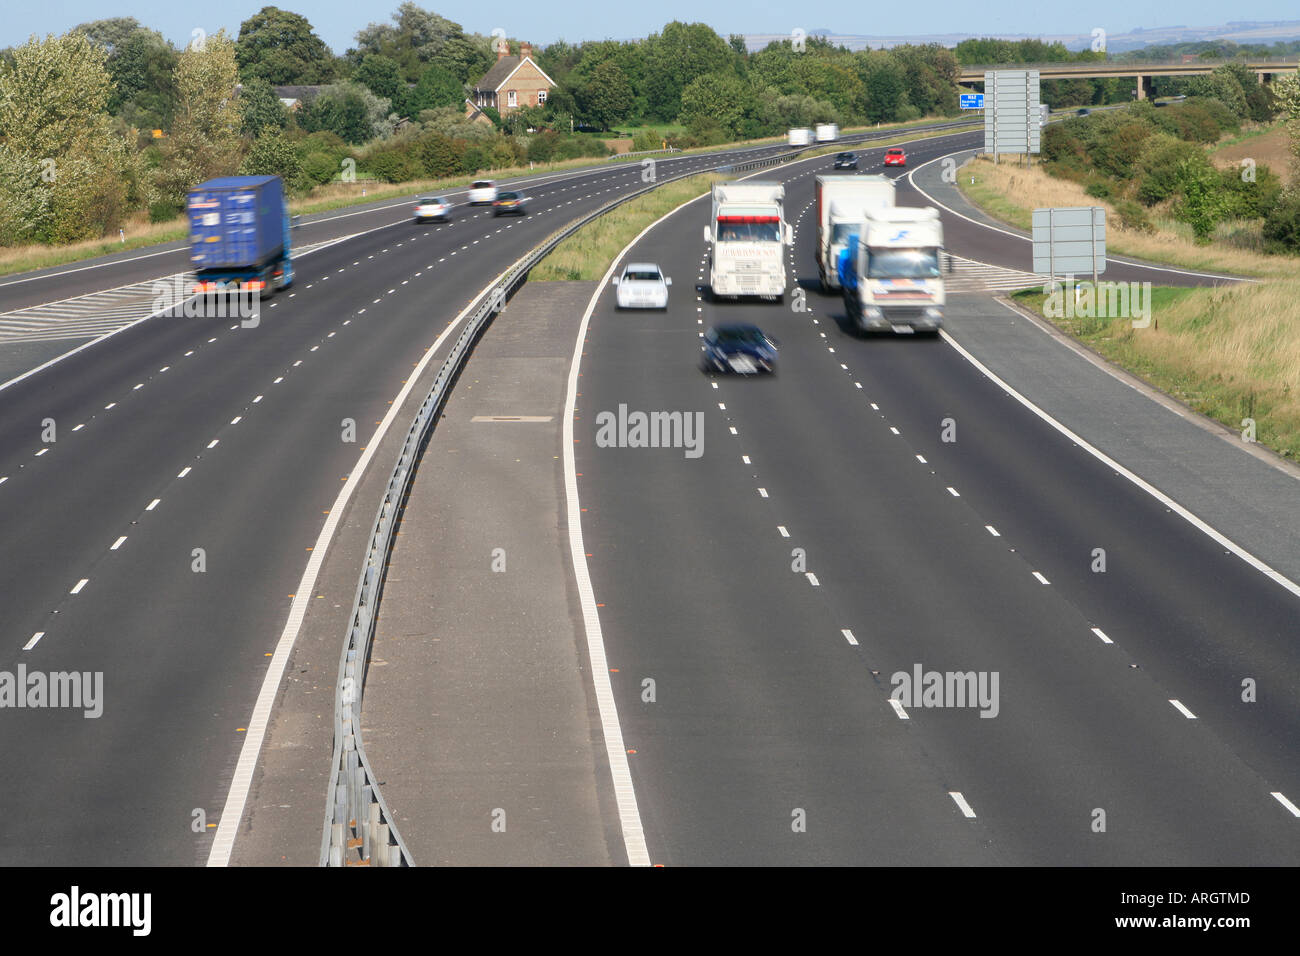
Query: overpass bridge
(1143,71)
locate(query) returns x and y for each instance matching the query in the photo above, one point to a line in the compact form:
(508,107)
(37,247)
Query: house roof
(502,70)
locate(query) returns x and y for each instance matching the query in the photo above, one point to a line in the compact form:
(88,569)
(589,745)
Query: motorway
(1121,735)
(194,442)
(179,434)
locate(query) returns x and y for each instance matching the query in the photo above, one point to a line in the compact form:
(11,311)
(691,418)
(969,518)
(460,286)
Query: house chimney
(525,49)
(503,49)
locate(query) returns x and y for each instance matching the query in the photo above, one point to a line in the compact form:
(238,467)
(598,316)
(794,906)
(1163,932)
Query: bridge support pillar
(1143,87)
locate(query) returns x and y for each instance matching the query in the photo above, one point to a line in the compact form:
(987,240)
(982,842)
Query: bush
(542,147)
(646,139)
(472,159)
(319,168)
(1099,189)
(1282,224)
(438,156)
(1132,216)
(1158,165)
(392,165)
(1249,199)
(164,210)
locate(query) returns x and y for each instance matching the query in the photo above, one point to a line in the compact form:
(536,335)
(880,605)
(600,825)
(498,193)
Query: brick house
(513,81)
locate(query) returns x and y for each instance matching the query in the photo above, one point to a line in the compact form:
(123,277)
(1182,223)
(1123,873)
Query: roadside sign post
(1011,119)
(1069,240)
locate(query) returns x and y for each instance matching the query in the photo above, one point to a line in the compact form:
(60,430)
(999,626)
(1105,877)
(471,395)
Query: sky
(337,21)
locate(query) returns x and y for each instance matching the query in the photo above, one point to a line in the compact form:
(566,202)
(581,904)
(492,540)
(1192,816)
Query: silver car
(642,285)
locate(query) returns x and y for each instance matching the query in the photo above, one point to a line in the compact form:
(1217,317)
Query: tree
(205,137)
(606,98)
(111,34)
(261,108)
(64,174)
(143,72)
(349,110)
(437,87)
(272,154)
(52,95)
(415,39)
(380,74)
(281,48)
(683,52)
(716,101)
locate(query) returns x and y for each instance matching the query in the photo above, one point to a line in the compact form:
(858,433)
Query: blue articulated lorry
(239,235)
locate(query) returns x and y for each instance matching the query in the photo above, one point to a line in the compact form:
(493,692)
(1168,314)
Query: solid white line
(1102,634)
(961,803)
(39,634)
(79,585)
(1183,710)
(154,504)
(1281,798)
(615,749)
(848,636)
(223,843)
(1016,235)
(992,530)
(1146,486)
(898,709)
(117,544)
(812,579)
(1041,579)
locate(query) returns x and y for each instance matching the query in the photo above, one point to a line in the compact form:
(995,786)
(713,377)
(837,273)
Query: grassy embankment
(1230,353)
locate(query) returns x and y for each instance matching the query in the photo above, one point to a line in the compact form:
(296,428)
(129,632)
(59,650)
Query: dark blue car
(738,348)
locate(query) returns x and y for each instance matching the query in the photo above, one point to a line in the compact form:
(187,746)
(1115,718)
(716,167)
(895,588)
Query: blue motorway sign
(972,101)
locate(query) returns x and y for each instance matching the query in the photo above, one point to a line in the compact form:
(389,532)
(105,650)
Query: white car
(642,286)
(482,192)
(432,207)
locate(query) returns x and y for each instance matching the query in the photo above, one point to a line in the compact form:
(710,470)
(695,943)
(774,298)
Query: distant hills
(1236,31)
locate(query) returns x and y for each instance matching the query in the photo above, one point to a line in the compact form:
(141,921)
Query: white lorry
(842,204)
(827,132)
(748,234)
(799,137)
(890,273)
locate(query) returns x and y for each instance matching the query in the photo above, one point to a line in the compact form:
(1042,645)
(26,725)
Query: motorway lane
(123,786)
(80,278)
(254,502)
(698,591)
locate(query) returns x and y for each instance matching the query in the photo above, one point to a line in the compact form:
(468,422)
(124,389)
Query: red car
(895,157)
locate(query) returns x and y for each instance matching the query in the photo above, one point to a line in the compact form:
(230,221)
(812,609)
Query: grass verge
(1010,193)
(1230,353)
(587,253)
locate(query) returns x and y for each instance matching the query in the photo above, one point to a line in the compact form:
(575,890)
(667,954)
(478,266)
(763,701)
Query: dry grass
(1267,147)
(1230,353)
(587,253)
(1011,192)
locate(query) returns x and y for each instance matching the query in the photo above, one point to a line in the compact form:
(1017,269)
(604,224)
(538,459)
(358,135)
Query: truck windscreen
(903,264)
(748,231)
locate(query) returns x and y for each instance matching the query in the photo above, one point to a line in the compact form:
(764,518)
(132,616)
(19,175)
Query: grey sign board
(1011,111)
(1070,240)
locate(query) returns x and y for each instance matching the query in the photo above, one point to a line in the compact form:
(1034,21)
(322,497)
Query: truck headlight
(933,313)
(873,312)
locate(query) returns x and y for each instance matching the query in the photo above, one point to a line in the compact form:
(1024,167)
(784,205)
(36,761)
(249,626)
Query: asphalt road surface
(829,538)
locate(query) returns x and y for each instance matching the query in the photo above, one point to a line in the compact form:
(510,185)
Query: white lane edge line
(1202,526)
(1281,798)
(965,807)
(232,812)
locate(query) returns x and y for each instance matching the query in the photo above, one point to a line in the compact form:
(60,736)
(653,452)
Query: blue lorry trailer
(239,235)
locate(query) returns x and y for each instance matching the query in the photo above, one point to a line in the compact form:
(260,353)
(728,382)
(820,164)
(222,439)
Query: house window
(541,97)
(512,98)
